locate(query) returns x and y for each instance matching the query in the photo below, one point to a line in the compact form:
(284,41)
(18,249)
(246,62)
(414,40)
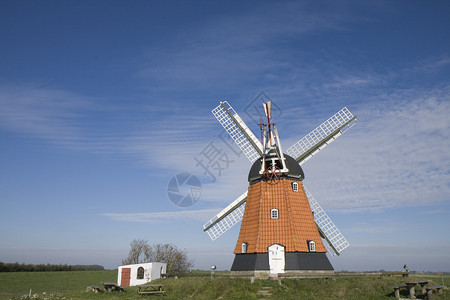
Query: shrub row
(16,267)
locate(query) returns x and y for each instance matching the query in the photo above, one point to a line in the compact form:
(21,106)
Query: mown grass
(72,285)
(16,284)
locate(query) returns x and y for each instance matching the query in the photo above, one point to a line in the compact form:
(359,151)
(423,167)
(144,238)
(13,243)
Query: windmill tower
(282,224)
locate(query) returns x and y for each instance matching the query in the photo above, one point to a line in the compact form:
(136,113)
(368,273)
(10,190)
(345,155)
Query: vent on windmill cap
(295,171)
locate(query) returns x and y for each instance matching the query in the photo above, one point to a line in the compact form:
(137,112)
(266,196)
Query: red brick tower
(278,213)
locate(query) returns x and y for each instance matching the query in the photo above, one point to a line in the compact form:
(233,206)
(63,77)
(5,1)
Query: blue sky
(103,102)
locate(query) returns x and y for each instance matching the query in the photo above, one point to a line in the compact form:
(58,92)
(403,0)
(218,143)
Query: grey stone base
(295,261)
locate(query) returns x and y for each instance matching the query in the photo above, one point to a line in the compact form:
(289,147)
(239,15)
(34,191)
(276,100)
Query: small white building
(137,274)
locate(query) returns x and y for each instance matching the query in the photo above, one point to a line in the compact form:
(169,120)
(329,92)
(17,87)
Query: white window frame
(295,186)
(274,213)
(312,246)
(244,247)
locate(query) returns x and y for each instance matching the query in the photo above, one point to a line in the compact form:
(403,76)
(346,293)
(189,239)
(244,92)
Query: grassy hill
(72,285)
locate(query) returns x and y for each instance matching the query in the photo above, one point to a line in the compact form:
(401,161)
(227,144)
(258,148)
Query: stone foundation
(294,262)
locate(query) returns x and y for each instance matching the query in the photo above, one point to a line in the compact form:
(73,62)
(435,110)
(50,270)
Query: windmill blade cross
(322,136)
(303,150)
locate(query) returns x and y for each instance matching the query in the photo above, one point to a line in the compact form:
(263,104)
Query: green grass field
(17,284)
(72,285)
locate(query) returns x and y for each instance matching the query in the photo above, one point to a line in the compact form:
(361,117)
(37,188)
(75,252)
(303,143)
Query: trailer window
(140,273)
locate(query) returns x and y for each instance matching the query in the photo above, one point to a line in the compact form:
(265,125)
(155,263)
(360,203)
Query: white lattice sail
(332,235)
(238,131)
(322,136)
(227,218)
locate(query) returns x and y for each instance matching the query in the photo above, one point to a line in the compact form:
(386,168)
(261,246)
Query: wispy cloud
(375,227)
(82,123)
(394,157)
(431,65)
(239,50)
(433,212)
(157,217)
(49,114)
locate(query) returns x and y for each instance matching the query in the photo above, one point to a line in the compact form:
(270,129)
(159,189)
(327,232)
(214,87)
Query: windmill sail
(238,130)
(322,136)
(330,232)
(227,218)
(252,148)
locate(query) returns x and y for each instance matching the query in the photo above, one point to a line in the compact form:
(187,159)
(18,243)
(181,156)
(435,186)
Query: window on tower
(244,248)
(312,246)
(274,213)
(295,186)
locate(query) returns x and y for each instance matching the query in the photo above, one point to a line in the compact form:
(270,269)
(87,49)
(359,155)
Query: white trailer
(137,274)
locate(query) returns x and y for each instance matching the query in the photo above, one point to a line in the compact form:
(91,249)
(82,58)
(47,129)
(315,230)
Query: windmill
(282,224)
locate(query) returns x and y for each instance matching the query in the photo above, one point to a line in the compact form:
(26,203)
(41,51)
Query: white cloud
(396,156)
(156,217)
(49,114)
(239,50)
(82,123)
